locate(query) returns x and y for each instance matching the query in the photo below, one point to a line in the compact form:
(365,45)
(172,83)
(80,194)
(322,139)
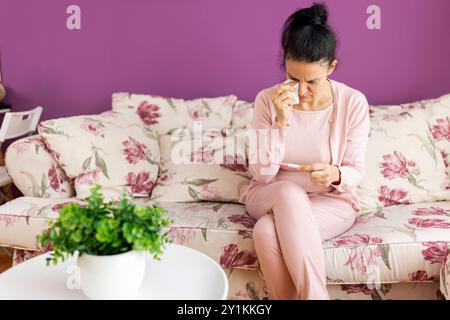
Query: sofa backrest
(407,158)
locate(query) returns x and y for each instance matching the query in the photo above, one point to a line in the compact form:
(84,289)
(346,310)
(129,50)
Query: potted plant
(111,239)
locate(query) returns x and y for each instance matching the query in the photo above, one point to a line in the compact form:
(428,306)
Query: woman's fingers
(285,87)
(284,97)
(320,174)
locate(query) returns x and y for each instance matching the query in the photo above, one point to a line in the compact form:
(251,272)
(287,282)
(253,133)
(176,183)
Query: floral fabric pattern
(242,114)
(398,248)
(406,155)
(112,149)
(205,171)
(164,115)
(37,174)
(382,247)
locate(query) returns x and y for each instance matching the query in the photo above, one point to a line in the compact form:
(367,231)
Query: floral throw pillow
(112,149)
(211,168)
(34,171)
(242,114)
(403,162)
(165,115)
(437,114)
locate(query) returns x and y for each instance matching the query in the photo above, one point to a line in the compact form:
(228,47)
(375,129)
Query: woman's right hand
(283,101)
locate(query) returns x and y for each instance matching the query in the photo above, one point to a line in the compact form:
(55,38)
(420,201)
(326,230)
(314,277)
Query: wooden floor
(5,261)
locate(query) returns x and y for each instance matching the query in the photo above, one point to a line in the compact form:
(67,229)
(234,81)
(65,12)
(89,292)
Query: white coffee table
(181,274)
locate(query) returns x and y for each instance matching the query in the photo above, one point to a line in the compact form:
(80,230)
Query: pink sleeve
(270,142)
(353,164)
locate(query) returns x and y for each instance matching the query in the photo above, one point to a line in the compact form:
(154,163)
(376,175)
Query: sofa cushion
(403,162)
(445,278)
(164,114)
(112,149)
(404,243)
(242,114)
(205,167)
(35,172)
(437,114)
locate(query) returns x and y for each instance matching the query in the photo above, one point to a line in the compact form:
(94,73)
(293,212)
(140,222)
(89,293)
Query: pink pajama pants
(288,235)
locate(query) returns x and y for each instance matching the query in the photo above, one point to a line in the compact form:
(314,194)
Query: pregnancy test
(290,165)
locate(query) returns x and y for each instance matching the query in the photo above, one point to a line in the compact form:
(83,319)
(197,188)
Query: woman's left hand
(322,174)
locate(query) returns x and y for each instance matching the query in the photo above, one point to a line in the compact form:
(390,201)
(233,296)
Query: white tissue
(295,96)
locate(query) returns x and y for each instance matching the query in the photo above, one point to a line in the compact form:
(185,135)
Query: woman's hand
(322,174)
(283,101)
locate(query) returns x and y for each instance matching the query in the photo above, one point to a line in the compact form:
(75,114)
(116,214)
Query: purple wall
(205,48)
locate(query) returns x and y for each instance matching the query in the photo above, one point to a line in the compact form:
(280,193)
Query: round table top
(181,274)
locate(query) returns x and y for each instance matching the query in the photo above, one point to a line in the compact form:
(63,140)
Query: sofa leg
(7,251)
(5,259)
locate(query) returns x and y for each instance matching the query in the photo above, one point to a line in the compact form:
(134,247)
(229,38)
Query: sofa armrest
(35,172)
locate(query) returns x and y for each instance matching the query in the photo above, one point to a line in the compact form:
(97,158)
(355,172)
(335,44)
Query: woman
(326,132)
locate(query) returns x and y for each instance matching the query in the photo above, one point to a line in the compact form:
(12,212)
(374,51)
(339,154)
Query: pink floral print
(392,197)
(89,177)
(441,130)
(165,178)
(93,127)
(203,155)
(446,158)
(356,239)
(357,288)
(134,150)
(9,220)
(421,276)
(245,234)
(235,163)
(196,112)
(244,219)
(396,166)
(413,106)
(240,112)
(53,178)
(148,113)
(209,193)
(431,211)
(58,206)
(140,183)
(436,252)
(231,257)
(181,235)
(429,223)
(20,147)
(21,256)
(362,257)
(395,117)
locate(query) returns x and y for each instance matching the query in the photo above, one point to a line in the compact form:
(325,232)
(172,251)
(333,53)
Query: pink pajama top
(337,135)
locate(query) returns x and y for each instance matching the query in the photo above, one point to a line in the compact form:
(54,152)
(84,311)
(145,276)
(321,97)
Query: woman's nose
(302,89)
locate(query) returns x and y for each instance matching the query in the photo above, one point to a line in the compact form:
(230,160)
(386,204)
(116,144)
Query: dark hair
(307,37)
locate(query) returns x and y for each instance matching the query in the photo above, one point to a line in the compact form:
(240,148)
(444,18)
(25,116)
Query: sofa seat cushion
(404,243)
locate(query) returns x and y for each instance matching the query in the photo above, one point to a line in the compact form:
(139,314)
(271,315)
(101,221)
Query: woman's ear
(332,66)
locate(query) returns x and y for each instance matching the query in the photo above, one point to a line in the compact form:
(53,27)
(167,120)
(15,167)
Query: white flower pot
(112,277)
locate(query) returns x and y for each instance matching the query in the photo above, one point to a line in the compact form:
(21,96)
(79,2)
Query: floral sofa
(397,249)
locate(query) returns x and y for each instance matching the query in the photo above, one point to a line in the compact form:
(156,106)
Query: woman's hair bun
(315,15)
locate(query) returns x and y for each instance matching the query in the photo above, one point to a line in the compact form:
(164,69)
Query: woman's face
(312,77)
